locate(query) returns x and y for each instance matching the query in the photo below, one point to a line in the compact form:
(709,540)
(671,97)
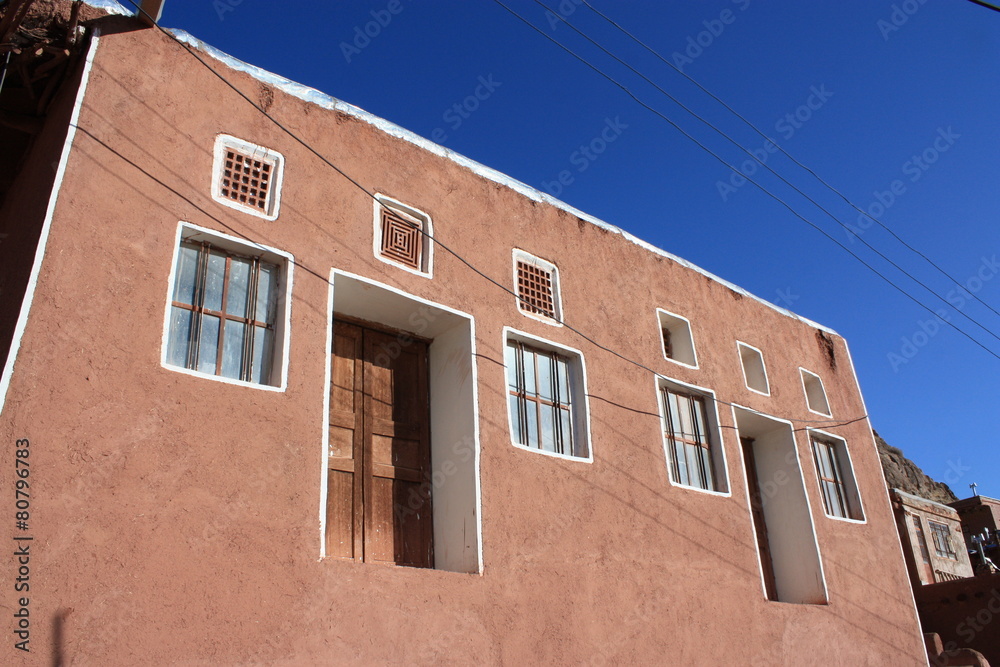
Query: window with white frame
(943,544)
(754,372)
(545,397)
(815,393)
(403,236)
(691,441)
(226,311)
(537,286)
(676,338)
(247,177)
(836,478)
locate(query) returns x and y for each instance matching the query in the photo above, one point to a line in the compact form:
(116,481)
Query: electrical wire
(768,168)
(750,180)
(815,175)
(828,423)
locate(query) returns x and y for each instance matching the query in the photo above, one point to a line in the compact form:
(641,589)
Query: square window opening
(835,475)
(816,399)
(247,177)
(754,372)
(944,546)
(676,339)
(691,438)
(403,236)
(537,285)
(545,396)
(227,316)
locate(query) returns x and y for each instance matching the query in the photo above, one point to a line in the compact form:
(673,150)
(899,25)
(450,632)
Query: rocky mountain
(903,474)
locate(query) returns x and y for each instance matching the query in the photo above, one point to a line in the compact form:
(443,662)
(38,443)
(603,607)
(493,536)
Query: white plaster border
(526,257)
(277,160)
(43,237)
(579,388)
(805,493)
(746,380)
(660,315)
(803,372)
(852,487)
(659,382)
(474,387)
(426,236)
(283,328)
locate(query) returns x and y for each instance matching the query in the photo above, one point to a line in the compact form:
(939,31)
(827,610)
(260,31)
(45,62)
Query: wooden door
(759,523)
(378,489)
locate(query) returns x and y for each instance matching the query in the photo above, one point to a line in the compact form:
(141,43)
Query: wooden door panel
(340,524)
(380,448)
(401,523)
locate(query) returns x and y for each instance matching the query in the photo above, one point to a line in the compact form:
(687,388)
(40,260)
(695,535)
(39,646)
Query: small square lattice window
(246,179)
(402,239)
(534,286)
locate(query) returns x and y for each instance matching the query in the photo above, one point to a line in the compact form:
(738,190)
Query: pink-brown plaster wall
(176,518)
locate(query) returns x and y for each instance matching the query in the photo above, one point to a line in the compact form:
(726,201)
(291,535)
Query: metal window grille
(402,239)
(831,480)
(534,287)
(539,395)
(223,313)
(246,179)
(689,448)
(943,545)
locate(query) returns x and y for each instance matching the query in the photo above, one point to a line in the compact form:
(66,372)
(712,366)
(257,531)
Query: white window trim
(746,381)
(520,255)
(805,392)
(715,432)
(581,420)
(690,331)
(283,325)
(223,141)
(850,485)
(439,439)
(426,237)
(805,493)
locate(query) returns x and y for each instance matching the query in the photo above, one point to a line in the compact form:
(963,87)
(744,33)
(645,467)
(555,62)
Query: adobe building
(980,517)
(265,414)
(931,534)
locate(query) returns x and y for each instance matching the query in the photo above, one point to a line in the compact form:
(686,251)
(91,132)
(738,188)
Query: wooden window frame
(944,545)
(250,321)
(918,529)
(563,442)
(708,475)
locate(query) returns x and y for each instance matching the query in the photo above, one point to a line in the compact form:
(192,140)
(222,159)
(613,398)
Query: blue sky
(892,103)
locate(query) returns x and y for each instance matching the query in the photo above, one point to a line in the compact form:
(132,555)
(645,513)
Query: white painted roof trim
(325,101)
(910,496)
(110,6)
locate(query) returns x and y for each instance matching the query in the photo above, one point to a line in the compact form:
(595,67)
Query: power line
(786,153)
(768,168)
(985,4)
(827,423)
(749,179)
